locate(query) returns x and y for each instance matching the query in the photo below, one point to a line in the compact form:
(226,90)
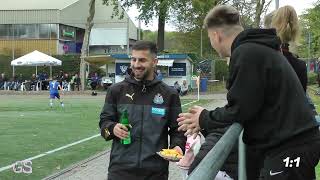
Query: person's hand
(189,122)
(194,132)
(120,131)
(177,148)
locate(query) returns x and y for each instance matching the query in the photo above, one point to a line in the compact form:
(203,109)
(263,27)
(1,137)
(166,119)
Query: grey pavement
(95,168)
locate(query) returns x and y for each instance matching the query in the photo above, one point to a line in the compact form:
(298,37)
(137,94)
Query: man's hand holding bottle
(120,131)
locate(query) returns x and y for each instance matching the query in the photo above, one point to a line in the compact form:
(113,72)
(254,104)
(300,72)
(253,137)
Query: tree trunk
(161,26)
(259,9)
(85,44)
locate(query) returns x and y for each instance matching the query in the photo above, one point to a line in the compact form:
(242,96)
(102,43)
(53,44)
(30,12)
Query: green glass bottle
(124,120)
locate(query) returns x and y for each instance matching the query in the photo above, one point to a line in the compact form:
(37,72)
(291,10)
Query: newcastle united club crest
(158,99)
(123,69)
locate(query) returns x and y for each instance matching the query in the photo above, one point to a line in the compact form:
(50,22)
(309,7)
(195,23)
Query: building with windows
(57,27)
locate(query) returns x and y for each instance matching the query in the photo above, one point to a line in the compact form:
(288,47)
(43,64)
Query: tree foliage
(189,20)
(188,16)
(147,9)
(310,25)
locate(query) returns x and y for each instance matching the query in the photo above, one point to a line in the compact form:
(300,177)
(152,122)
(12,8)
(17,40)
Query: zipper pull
(144,89)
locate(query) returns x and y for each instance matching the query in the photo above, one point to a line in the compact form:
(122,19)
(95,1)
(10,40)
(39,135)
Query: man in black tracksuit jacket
(153,108)
(265,96)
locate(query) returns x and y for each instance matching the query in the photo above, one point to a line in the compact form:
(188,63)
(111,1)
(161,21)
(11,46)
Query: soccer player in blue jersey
(54,87)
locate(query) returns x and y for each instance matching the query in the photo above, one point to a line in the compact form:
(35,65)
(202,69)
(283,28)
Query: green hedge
(70,65)
(221,69)
(312,78)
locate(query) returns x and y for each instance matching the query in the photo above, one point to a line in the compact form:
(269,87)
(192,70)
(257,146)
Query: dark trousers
(77,86)
(254,163)
(296,162)
(93,85)
(303,155)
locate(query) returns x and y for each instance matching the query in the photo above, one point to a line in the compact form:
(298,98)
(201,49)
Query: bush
(221,69)
(312,78)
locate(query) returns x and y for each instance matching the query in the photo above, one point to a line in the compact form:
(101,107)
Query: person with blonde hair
(285,21)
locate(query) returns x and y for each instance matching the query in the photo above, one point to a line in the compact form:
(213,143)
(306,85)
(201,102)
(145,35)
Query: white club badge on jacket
(158,99)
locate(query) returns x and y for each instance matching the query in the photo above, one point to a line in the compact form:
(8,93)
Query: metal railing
(213,161)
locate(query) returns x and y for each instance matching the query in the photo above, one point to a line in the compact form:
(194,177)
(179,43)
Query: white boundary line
(66,146)
(189,103)
(50,152)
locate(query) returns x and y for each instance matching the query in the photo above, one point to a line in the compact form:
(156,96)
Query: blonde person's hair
(285,21)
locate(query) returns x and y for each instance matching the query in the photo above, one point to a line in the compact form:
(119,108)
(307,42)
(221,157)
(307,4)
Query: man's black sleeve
(246,92)
(108,115)
(177,138)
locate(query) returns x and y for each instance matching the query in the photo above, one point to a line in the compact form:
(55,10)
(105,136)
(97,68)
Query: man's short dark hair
(222,15)
(145,45)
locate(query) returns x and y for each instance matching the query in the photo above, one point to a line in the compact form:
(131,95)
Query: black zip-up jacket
(298,65)
(264,94)
(153,107)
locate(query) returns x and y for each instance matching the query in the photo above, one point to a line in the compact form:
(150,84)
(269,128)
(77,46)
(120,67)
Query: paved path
(220,96)
(95,168)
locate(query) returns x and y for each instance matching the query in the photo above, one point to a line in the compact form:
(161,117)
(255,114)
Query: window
(54,30)
(44,30)
(27,31)
(5,30)
(164,70)
(20,31)
(48,31)
(178,69)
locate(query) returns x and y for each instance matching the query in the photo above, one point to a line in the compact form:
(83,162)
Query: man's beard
(140,75)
